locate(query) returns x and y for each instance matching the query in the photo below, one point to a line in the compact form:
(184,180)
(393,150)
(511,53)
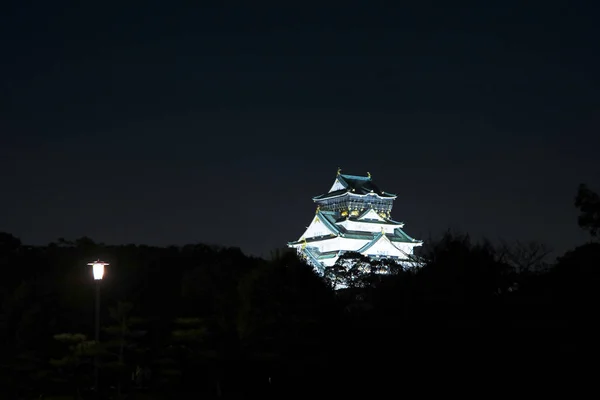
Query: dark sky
(164,124)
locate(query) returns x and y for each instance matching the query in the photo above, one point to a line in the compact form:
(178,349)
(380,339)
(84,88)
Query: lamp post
(98,272)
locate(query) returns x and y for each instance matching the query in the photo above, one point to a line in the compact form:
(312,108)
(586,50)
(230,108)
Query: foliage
(208,321)
(588,203)
(70,369)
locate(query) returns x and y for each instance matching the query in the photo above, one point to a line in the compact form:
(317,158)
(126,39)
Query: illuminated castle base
(354,216)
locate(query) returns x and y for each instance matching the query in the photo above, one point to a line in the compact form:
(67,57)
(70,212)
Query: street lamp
(98,272)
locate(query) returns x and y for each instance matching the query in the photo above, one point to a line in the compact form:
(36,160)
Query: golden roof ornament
(318,209)
(339,171)
(369,175)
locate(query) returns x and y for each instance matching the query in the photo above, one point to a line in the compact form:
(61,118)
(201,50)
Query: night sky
(163,124)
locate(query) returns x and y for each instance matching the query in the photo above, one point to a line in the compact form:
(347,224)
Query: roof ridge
(331,226)
(363,177)
(370,244)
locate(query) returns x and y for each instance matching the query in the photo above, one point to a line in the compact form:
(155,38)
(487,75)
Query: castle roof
(329,219)
(355,184)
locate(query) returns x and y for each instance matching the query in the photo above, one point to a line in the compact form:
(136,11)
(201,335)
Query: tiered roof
(354,184)
(330,220)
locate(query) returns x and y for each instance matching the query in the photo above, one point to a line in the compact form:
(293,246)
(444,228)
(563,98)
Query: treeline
(211,322)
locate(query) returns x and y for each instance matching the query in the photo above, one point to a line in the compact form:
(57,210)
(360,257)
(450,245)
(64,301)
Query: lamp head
(98,269)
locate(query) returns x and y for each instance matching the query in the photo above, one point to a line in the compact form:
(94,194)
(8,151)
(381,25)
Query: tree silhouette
(211,322)
(588,203)
(123,351)
(71,369)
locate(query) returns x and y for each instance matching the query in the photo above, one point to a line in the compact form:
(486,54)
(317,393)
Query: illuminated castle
(354,216)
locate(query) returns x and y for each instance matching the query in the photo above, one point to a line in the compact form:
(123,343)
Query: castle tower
(355,215)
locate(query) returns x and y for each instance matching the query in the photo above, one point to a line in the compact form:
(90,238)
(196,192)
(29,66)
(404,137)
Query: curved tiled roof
(360,185)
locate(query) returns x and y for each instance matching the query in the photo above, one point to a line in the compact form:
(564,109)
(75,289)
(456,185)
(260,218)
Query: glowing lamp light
(98,269)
